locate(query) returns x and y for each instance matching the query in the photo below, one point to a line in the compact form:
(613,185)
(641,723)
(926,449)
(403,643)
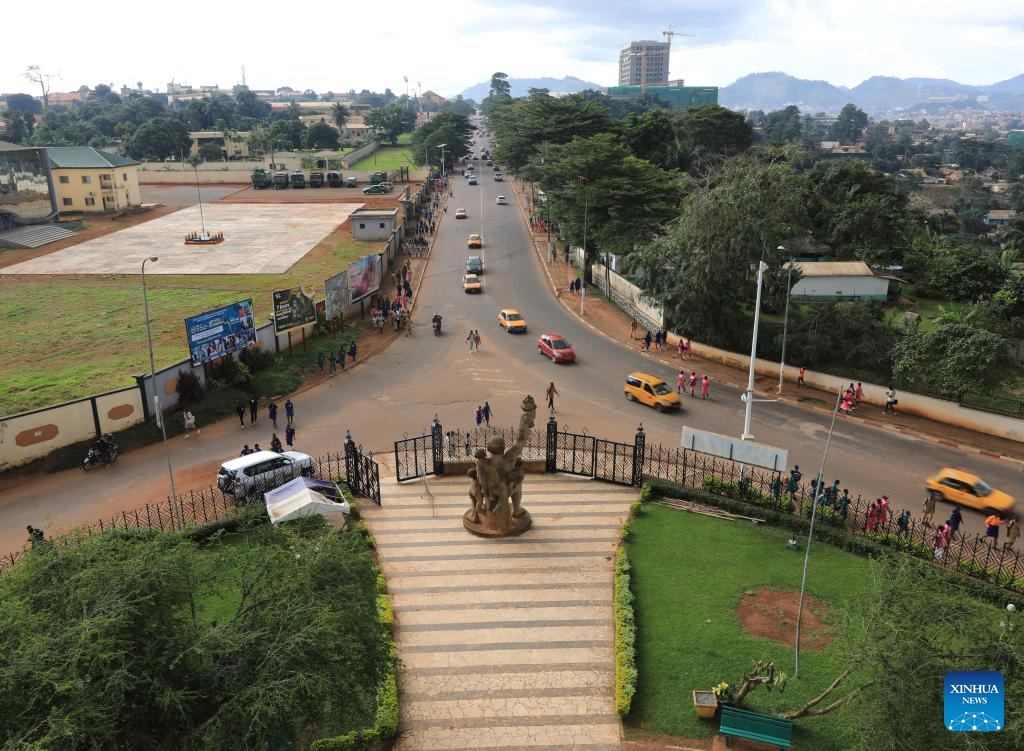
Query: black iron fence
(361,471)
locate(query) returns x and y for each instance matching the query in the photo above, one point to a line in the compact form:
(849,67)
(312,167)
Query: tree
(953,358)
(848,333)
(23,103)
(158,139)
(448,128)
(391,121)
(960,272)
(783,126)
(711,131)
(652,136)
(20,126)
(849,127)
(250,108)
(702,268)
(35,74)
(211,152)
(339,115)
(499,94)
(287,134)
(146,641)
(322,135)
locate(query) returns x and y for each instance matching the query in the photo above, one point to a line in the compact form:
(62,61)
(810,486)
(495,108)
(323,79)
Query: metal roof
(834,268)
(85,157)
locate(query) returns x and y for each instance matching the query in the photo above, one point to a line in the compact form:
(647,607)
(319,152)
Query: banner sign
(293,308)
(336,295)
(364,277)
(220,332)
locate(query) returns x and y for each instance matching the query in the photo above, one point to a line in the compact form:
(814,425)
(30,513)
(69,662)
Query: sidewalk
(611,322)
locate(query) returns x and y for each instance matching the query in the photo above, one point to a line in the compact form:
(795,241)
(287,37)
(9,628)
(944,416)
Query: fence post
(639,446)
(350,460)
(550,444)
(437,446)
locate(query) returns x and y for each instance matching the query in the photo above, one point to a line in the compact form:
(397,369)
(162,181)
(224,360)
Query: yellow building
(92,181)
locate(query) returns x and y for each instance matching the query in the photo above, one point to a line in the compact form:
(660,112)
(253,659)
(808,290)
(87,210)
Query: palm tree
(339,114)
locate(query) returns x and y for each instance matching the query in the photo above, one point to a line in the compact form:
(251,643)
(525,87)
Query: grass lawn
(689,574)
(388,158)
(86,335)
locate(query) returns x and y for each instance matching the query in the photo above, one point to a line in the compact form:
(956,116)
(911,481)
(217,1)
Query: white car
(500,200)
(254,474)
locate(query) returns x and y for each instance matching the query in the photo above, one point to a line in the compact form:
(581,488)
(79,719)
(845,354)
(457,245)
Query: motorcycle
(104,452)
(437,325)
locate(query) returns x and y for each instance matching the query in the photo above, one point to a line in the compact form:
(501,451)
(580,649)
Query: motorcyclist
(437,323)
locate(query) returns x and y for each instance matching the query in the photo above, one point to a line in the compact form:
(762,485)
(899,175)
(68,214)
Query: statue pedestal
(496,525)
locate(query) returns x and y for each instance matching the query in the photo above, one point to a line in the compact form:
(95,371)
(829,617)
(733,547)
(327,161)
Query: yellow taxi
(471,284)
(512,321)
(460,213)
(475,241)
(650,390)
(966,489)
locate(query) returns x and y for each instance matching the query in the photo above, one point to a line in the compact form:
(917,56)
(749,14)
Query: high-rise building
(644,63)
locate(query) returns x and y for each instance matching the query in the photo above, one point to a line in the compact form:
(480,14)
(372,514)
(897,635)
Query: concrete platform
(259,239)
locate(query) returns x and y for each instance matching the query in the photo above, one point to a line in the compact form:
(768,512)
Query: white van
(252,475)
(500,200)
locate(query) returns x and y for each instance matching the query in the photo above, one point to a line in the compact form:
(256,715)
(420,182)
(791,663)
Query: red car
(555,347)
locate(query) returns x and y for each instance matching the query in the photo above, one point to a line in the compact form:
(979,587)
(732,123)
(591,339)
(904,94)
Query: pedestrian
(240,411)
(800,377)
(647,342)
(275,443)
(693,383)
(572,287)
(890,403)
(446,444)
(487,414)
(352,352)
(795,475)
(705,387)
(687,349)
(289,436)
(928,509)
(859,394)
(469,445)
(681,381)
(776,487)
(190,423)
(341,356)
(955,518)
(254,406)
(657,340)
(333,364)
(471,341)
(845,405)
(35,535)
(871,516)
(1012,532)
(479,415)
(843,504)
(992,522)
(289,412)
(680,349)
(476,339)
(632,329)
(320,361)
(883,510)
(552,392)
(941,543)
(903,523)
(245,450)
(256,448)
(272,413)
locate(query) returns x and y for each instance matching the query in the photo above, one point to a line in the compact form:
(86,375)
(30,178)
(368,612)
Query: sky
(447,46)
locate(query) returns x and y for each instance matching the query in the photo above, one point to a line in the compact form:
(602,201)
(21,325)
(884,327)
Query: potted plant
(705,703)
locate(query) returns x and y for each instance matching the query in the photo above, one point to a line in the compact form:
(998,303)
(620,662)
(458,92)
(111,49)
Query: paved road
(400,390)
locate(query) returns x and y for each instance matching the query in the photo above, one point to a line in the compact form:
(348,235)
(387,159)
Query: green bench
(754,726)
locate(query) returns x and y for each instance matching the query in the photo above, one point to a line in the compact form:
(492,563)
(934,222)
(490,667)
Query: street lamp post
(748,395)
(785,319)
(586,204)
(442,147)
(199,196)
(152,379)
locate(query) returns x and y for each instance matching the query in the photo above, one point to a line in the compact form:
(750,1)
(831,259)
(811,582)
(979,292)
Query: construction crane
(669,33)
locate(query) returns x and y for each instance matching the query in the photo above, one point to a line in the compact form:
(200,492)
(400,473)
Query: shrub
(256,358)
(190,390)
(625,636)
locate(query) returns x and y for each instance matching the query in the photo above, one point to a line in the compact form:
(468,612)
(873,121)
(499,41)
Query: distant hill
(521,87)
(878,96)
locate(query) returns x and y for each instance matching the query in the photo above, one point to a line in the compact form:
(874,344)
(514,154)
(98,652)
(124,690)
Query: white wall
(841,286)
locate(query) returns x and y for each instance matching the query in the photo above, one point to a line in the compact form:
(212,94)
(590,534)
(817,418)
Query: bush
(625,636)
(190,390)
(256,358)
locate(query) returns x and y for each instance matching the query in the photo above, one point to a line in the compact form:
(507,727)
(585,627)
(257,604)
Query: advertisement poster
(220,332)
(336,295)
(293,308)
(364,277)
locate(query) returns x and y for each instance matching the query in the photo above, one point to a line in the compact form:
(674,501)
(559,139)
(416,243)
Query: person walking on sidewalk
(681,383)
(693,383)
(479,415)
(1012,531)
(890,403)
(289,436)
(552,392)
(471,341)
(928,509)
(487,414)
(800,377)
(705,387)
(272,413)
(289,412)
(240,411)
(647,342)
(190,423)
(254,407)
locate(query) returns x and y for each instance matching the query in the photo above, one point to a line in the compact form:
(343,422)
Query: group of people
(850,399)
(275,442)
(660,341)
(335,361)
(575,286)
(691,380)
(484,415)
(473,339)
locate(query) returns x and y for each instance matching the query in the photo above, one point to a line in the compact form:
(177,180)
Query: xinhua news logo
(974,701)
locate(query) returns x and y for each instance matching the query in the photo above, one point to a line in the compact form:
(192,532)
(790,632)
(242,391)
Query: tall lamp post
(152,377)
(785,318)
(442,147)
(199,196)
(586,204)
(748,395)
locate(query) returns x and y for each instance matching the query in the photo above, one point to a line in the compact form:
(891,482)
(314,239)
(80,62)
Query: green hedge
(625,634)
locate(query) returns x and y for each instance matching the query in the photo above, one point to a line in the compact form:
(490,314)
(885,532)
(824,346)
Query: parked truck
(261,179)
(298,179)
(334,179)
(316,179)
(280,180)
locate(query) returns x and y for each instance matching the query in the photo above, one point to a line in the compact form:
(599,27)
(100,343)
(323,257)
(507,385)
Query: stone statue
(496,488)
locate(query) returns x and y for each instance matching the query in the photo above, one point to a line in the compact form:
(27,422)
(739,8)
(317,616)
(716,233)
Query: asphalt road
(400,391)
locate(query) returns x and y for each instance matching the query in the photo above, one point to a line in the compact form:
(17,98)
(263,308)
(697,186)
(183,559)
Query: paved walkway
(503,643)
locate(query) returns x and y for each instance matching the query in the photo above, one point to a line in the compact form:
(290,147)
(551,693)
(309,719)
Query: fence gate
(361,471)
(414,457)
(614,461)
(573,453)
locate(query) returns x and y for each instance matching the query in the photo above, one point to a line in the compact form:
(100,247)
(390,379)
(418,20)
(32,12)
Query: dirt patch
(771,614)
(643,740)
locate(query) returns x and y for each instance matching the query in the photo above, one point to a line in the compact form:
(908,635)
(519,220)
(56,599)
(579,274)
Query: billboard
(336,295)
(293,307)
(364,277)
(221,331)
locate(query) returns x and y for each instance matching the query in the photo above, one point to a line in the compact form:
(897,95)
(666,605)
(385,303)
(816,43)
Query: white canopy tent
(305,496)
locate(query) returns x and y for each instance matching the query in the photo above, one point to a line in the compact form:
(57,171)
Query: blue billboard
(220,332)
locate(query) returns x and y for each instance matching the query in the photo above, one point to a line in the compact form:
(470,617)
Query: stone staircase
(33,236)
(503,643)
